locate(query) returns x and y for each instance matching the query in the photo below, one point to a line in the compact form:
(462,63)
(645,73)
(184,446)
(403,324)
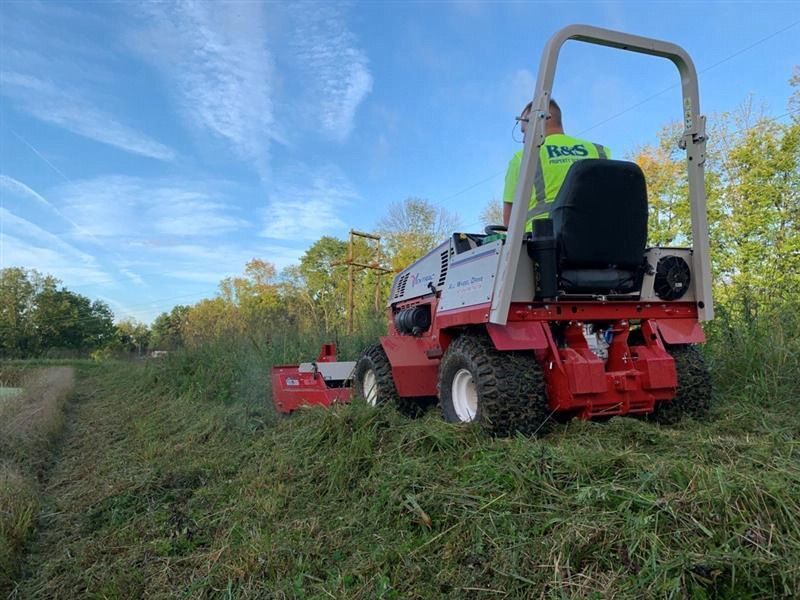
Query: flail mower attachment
(324,382)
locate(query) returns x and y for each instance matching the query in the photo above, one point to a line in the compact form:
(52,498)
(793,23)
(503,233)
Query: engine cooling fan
(673,277)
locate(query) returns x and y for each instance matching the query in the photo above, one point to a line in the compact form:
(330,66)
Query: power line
(675,85)
(157,300)
(638,104)
(759,122)
(149,303)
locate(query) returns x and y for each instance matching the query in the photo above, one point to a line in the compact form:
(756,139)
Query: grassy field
(164,489)
(31,420)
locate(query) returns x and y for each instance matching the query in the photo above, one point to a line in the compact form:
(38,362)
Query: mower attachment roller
(324,382)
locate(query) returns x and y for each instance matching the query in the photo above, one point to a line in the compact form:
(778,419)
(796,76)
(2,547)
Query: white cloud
(18,226)
(307,205)
(215,57)
(337,74)
(131,207)
(209,264)
(65,107)
(17,188)
(122,311)
(134,277)
(52,260)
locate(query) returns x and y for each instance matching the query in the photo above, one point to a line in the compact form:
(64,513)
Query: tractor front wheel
(374,382)
(503,391)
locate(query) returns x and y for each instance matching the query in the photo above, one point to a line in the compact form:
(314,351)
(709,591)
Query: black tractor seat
(600,227)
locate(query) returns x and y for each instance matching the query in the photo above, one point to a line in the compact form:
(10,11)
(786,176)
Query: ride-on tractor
(579,318)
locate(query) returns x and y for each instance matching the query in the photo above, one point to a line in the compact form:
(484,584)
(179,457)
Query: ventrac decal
(416,279)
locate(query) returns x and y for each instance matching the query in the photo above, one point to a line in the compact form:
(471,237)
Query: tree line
(41,317)
(753,190)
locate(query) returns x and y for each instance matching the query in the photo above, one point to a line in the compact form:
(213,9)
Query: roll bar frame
(693,140)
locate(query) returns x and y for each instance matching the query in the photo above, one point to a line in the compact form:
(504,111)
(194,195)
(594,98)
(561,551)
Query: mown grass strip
(30,422)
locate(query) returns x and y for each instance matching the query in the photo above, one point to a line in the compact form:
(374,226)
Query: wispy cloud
(217,62)
(13,187)
(19,252)
(134,277)
(201,263)
(16,225)
(25,244)
(17,188)
(67,108)
(520,89)
(336,69)
(131,207)
(306,204)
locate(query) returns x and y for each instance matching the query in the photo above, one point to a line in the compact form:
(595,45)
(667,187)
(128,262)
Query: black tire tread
(374,357)
(693,396)
(511,387)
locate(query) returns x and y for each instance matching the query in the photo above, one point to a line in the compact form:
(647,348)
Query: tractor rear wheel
(375,384)
(503,391)
(693,396)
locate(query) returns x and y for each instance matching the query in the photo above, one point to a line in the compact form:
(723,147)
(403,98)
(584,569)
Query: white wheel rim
(465,396)
(370,388)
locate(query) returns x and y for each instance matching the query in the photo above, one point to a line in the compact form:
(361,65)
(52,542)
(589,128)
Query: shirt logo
(560,151)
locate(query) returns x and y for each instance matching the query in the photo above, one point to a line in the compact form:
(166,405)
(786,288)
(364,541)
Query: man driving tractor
(556,155)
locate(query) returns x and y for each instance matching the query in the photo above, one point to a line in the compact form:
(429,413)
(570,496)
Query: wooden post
(350,285)
(352,263)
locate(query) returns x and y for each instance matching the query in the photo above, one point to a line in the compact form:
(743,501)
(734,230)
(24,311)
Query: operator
(556,155)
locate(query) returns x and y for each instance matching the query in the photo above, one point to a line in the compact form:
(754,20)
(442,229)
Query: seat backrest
(600,215)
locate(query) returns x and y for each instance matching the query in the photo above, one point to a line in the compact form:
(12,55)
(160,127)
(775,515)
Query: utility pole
(353,265)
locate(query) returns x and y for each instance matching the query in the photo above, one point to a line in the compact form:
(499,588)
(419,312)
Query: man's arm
(511,185)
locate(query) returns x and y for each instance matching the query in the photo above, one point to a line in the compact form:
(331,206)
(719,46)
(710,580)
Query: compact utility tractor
(578,319)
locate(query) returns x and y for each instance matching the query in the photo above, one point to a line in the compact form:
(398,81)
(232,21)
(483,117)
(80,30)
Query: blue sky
(147,150)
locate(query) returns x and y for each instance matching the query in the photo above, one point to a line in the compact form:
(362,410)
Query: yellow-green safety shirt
(556,155)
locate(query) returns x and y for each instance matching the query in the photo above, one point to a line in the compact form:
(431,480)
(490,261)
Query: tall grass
(231,369)
(29,424)
(757,358)
(200,495)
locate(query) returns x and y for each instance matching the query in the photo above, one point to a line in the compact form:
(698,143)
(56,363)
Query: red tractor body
(579,382)
(572,316)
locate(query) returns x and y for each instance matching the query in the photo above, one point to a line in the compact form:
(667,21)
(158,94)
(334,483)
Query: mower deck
(323,382)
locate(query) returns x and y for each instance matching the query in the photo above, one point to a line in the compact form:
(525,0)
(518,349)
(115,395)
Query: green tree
(414,227)
(167,329)
(758,243)
(37,316)
(17,303)
(132,337)
(70,321)
(324,282)
(753,193)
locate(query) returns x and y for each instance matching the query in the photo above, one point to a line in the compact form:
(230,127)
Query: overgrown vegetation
(198,497)
(29,424)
